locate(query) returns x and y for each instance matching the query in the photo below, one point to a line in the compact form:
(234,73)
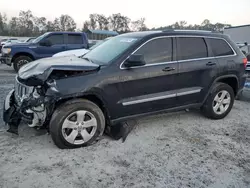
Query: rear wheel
(76,123)
(219,102)
(20,61)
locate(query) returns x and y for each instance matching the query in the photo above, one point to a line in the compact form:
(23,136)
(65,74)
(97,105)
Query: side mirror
(45,43)
(135,60)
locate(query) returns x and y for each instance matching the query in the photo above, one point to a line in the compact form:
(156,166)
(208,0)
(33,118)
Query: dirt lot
(181,149)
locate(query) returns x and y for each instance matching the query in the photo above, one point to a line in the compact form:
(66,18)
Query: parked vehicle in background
(44,46)
(248,62)
(245,48)
(8,41)
(79,52)
(128,76)
(3,40)
(30,39)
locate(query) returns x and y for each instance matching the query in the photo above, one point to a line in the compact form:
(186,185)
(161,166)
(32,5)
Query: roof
(103,32)
(237,26)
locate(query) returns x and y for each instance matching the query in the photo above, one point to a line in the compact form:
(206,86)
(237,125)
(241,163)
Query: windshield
(40,38)
(98,43)
(104,53)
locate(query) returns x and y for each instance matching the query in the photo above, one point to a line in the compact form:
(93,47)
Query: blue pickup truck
(45,45)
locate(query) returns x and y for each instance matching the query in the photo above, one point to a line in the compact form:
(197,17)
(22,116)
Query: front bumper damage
(13,113)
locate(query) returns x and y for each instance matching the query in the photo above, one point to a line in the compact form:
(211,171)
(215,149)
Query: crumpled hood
(78,52)
(41,69)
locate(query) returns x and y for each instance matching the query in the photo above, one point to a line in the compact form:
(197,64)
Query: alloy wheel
(221,102)
(79,127)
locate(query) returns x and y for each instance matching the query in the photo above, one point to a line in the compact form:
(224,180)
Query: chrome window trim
(171,62)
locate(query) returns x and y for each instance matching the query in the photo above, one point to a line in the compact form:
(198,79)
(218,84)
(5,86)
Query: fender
(216,80)
(96,92)
(21,50)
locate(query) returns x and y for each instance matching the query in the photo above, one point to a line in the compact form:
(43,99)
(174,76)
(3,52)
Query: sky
(157,13)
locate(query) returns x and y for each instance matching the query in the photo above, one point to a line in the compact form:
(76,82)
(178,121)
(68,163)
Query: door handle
(168,69)
(211,63)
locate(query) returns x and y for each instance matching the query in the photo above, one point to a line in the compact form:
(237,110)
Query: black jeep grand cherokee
(130,75)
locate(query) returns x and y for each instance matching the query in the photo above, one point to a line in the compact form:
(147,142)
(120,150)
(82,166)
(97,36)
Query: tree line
(26,24)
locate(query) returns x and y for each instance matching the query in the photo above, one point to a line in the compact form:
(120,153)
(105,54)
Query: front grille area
(21,90)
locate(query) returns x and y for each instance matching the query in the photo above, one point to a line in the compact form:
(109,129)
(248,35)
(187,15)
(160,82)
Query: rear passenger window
(220,47)
(157,51)
(56,39)
(191,48)
(74,39)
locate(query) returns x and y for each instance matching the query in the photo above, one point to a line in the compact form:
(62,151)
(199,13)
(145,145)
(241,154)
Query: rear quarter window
(75,39)
(220,47)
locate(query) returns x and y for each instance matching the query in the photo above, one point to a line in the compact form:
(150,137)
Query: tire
(209,105)
(63,113)
(20,61)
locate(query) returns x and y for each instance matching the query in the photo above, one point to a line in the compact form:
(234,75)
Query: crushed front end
(25,103)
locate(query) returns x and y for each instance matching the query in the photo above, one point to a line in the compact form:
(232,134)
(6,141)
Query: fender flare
(216,80)
(85,95)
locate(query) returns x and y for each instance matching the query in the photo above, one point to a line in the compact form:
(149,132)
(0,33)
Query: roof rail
(190,30)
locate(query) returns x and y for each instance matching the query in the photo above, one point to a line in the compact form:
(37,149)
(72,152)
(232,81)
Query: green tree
(66,23)
(13,25)
(86,26)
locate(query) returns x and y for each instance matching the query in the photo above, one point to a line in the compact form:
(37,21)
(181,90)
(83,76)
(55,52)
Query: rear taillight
(245,62)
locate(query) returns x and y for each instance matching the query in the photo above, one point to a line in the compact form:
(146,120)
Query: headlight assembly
(6,50)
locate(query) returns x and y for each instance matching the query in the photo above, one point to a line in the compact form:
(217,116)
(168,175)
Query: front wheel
(20,61)
(76,123)
(219,102)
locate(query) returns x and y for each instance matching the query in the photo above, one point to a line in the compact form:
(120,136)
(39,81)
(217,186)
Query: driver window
(157,51)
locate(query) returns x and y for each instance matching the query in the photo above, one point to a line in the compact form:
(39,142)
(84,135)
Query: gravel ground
(182,149)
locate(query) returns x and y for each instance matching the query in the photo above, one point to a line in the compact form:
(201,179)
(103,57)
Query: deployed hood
(78,52)
(41,69)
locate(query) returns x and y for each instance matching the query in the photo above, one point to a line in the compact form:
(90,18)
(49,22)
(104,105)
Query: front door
(197,69)
(57,45)
(150,87)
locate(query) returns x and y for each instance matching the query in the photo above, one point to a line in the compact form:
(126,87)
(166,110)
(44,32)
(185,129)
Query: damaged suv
(128,76)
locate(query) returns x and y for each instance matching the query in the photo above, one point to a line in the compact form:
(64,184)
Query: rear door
(75,41)
(57,45)
(151,87)
(197,69)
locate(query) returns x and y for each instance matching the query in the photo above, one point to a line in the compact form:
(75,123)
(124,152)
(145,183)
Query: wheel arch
(231,80)
(22,54)
(93,97)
